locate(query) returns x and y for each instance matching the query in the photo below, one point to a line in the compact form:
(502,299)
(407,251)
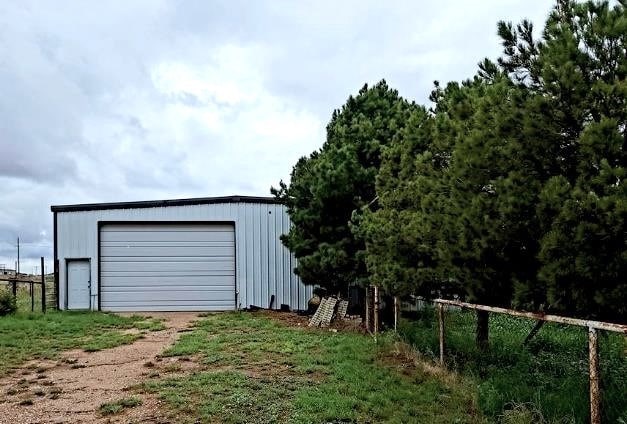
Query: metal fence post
(55,270)
(43,287)
(441,322)
(595,395)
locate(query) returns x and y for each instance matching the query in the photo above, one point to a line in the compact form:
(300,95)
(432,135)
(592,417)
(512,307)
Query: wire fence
(561,371)
(33,293)
(29,296)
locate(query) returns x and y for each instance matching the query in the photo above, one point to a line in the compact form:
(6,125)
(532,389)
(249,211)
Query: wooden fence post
(593,342)
(595,395)
(441,322)
(395,312)
(32,297)
(376,312)
(368,308)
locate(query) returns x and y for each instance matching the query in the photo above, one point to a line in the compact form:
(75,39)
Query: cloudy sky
(157,99)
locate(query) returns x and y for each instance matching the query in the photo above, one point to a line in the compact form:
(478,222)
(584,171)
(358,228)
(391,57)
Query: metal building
(204,254)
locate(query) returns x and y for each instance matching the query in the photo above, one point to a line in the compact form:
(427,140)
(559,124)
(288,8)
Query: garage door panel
(173,277)
(176,251)
(167,267)
(182,287)
(170,307)
(148,303)
(116,281)
(147,227)
(167,236)
(166,296)
(151,259)
(161,243)
(150,267)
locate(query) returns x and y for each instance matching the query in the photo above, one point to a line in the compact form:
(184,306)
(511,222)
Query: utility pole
(17,271)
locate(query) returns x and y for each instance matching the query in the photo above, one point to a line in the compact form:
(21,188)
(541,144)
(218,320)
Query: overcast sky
(137,100)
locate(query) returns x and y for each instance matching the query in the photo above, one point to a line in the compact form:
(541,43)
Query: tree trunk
(482,330)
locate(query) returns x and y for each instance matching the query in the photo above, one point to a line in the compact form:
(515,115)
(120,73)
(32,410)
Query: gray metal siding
(167,267)
(257,231)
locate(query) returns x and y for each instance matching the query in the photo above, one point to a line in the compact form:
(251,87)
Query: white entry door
(78,284)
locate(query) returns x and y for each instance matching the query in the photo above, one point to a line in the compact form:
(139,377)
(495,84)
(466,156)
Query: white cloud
(119,101)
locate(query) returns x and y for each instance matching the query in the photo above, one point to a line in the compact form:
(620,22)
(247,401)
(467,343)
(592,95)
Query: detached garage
(206,254)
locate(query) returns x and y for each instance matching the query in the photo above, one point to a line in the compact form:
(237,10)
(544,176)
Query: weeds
(260,370)
(55,392)
(548,376)
(111,408)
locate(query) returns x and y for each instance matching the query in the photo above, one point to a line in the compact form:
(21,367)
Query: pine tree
(510,191)
(404,234)
(326,188)
(579,71)
(397,257)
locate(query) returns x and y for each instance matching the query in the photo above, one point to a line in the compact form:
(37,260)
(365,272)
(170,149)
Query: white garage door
(167,267)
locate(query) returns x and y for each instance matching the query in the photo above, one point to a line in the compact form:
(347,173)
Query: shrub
(8,304)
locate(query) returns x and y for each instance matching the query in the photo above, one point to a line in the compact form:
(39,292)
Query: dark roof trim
(163,203)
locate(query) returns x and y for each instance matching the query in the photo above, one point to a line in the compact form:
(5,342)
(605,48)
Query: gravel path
(71,389)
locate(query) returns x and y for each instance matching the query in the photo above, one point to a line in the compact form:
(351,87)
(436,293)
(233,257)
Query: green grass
(111,408)
(24,298)
(24,301)
(25,336)
(549,376)
(261,370)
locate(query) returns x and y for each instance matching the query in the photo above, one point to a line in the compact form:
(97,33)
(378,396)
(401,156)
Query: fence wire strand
(543,379)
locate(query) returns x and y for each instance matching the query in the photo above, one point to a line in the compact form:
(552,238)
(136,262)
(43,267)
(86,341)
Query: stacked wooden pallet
(329,308)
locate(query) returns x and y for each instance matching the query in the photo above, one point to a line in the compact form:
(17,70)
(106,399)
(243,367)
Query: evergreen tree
(579,70)
(326,188)
(404,233)
(500,163)
(398,258)
(528,206)
(510,191)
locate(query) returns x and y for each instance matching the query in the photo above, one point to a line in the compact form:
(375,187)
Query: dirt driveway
(71,389)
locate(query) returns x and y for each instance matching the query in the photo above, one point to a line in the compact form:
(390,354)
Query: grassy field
(25,336)
(547,378)
(257,369)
